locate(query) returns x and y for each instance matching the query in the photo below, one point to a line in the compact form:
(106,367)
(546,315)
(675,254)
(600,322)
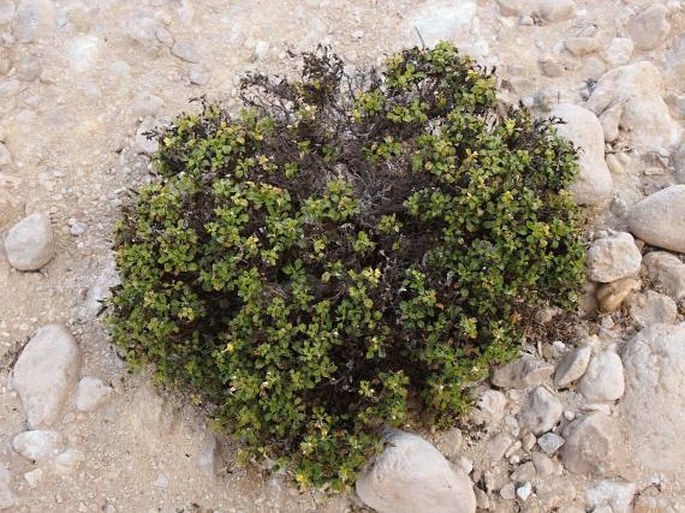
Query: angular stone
(603,381)
(650,28)
(39,444)
(490,408)
(524,472)
(667,272)
(185,50)
(610,296)
(616,495)
(30,244)
(411,475)
(544,465)
(572,366)
(593,445)
(436,20)
(594,184)
(659,219)
(45,373)
(554,11)
(619,51)
(652,308)
(541,411)
(550,443)
(580,46)
(654,401)
(523,372)
(91,394)
(613,257)
(645,118)
(497,446)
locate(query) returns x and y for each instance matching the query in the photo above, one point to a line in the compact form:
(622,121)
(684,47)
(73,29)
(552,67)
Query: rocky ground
(591,423)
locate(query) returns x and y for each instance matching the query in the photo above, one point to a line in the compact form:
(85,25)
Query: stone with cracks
(412,476)
(45,373)
(612,258)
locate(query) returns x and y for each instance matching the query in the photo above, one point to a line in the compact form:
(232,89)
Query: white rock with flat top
(659,219)
(594,183)
(39,444)
(613,257)
(411,476)
(46,373)
(603,381)
(654,401)
(30,244)
(667,272)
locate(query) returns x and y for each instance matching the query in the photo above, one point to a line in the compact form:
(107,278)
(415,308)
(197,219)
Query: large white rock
(603,381)
(437,20)
(39,444)
(594,183)
(45,374)
(654,401)
(613,257)
(667,272)
(659,219)
(411,476)
(30,244)
(649,28)
(645,119)
(594,445)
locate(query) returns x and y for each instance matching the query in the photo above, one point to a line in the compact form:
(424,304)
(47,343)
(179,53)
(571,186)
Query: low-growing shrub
(350,245)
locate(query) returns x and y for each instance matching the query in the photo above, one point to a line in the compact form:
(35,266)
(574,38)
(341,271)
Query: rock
(610,296)
(34,477)
(580,46)
(616,495)
(554,11)
(604,379)
(654,401)
(611,119)
(198,75)
(91,394)
(594,185)
(649,28)
(667,272)
(142,143)
(550,443)
(523,372)
(146,104)
(45,373)
(68,461)
(572,366)
(7,497)
(490,408)
(659,219)
(437,20)
(544,465)
(449,442)
(206,459)
(524,491)
(411,475)
(30,244)
(646,120)
(101,287)
(552,67)
(496,447)
(541,411)
(26,21)
(652,308)
(613,257)
(619,51)
(555,492)
(185,50)
(508,492)
(593,445)
(39,444)
(524,472)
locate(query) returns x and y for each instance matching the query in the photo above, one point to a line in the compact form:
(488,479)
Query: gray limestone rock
(523,372)
(603,381)
(410,476)
(39,444)
(594,184)
(30,244)
(541,410)
(91,394)
(572,367)
(613,257)
(651,308)
(654,401)
(667,272)
(659,219)
(650,28)
(45,373)
(594,445)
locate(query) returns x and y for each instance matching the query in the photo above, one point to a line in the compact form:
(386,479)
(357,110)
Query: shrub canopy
(346,247)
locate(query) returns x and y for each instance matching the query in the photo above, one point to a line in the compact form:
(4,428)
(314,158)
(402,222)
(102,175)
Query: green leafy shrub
(346,247)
